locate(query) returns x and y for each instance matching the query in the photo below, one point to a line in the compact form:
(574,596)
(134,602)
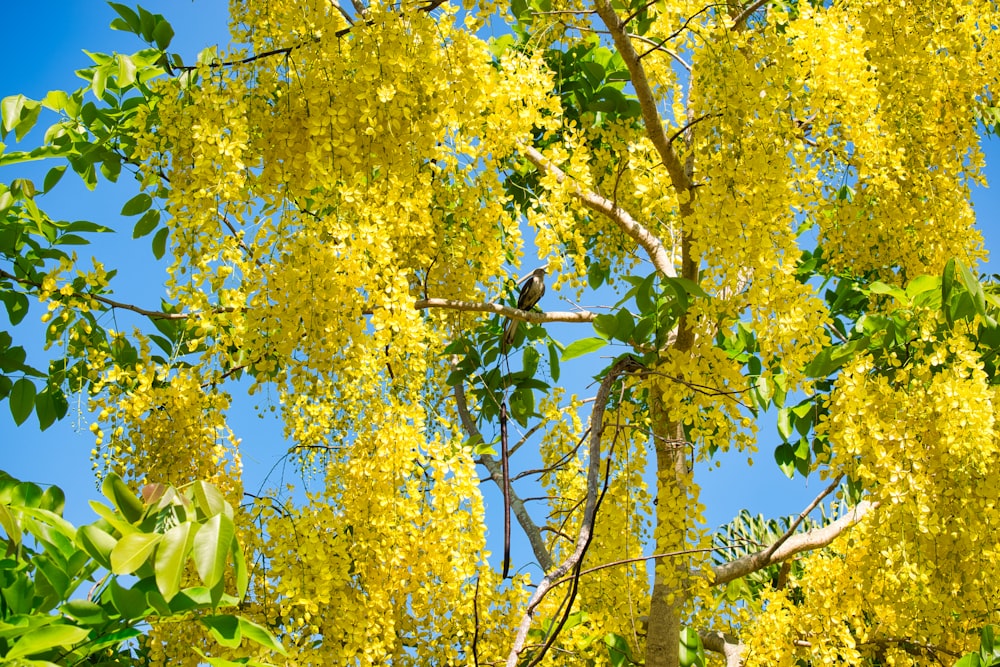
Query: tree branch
(621,367)
(496,474)
(724,643)
(647,240)
(740,19)
(151,314)
(802,515)
(644,92)
(808,541)
(506,311)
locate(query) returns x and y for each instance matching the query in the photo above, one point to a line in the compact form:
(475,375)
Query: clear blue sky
(42,45)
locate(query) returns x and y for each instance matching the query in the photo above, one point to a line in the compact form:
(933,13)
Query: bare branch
(802,515)
(496,474)
(726,644)
(151,314)
(647,240)
(623,366)
(506,311)
(808,541)
(740,20)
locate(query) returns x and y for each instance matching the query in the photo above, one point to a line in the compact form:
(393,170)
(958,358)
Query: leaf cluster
(144,546)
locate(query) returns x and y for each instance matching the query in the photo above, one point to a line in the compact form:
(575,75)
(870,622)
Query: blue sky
(41,48)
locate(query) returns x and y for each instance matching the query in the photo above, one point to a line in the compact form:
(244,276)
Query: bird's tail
(508,334)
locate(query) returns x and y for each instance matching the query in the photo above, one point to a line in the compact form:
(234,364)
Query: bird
(532,289)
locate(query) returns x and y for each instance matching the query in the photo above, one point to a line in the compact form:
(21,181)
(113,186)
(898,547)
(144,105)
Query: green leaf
(52,177)
(578,348)
(137,204)
(692,653)
(947,285)
(10,112)
(97,543)
(606,326)
(22,400)
(42,639)
(211,545)
(171,555)
(784,456)
(973,286)
(530,358)
(209,500)
(130,602)
(162,34)
(130,18)
(147,223)
(259,634)
(225,628)
(554,362)
(969,660)
(689,286)
(126,70)
(160,243)
(85,611)
(618,650)
(878,287)
(784,423)
(99,81)
(117,491)
(132,551)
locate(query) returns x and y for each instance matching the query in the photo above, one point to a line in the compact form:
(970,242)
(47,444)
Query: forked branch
(795,544)
(648,241)
(621,367)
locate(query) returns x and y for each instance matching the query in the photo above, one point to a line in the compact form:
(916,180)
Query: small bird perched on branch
(531,292)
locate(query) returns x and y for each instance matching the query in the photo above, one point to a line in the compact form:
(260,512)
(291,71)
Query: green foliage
(989,650)
(56,605)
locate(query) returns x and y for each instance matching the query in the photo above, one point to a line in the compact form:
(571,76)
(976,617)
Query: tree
(776,195)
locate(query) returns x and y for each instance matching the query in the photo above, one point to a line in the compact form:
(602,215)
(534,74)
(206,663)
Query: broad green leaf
(209,500)
(10,112)
(130,602)
(689,286)
(162,34)
(137,204)
(578,348)
(605,325)
(22,400)
(692,653)
(132,551)
(97,543)
(147,223)
(85,611)
(259,634)
(878,287)
(160,243)
(129,16)
(211,546)
(784,424)
(618,650)
(554,362)
(45,638)
(240,565)
(784,456)
(126,70)
(52,177)
(171,555)
(117,491)
(225,628)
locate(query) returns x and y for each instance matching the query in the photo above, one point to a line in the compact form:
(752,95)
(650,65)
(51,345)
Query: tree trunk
(667,604)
